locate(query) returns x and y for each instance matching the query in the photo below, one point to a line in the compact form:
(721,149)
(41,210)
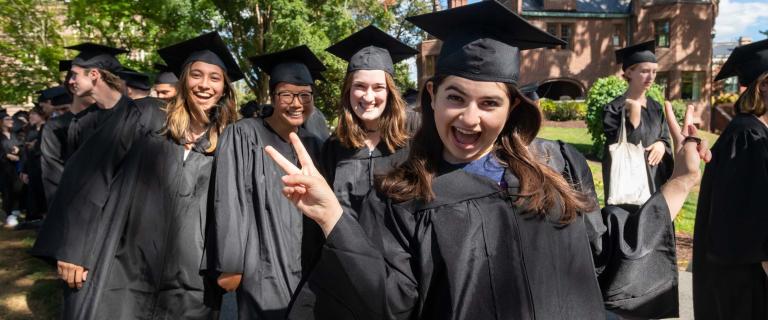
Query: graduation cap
(637,53)
(747,62)
(135,79)
(529,90)
(165,75)
(62,99)
(49,93)
(371,49)
(97,56)
(208,48)
(482,41)
(65,65)
(297,65)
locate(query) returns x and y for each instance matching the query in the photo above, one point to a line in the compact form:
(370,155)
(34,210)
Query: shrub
(563,110)
(725,98)
(679,106)
(603,91)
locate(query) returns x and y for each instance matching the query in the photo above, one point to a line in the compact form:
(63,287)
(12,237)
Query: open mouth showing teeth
(294,114)
(465,137)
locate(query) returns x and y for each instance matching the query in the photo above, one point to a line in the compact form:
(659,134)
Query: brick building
(595,28)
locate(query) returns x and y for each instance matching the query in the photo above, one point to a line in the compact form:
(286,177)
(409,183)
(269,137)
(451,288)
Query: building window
(616,38)
(731,85)
(691,85)
(661,31)
(662,79)
(564,31)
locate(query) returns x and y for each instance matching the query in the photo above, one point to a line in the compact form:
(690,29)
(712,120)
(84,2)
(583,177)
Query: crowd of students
(157,207)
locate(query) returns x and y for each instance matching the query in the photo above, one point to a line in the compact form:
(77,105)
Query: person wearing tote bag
(645,126)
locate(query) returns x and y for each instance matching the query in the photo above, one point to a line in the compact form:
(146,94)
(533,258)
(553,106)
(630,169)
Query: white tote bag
(629,180)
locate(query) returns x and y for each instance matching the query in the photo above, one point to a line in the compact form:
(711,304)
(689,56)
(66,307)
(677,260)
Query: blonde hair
(751,101)
(181,114)
(392,123)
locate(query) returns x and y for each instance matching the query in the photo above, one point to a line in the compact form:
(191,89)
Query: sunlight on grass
(581,140)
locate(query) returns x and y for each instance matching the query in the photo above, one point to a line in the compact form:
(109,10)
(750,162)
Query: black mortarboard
(135,79)
(371,49)
(49,93)
(97,56)
(297,65)
(165,75)
(208,48)
(482,41)
(747,62)
(65,65)
(636,53)
(529,90)
(62,99)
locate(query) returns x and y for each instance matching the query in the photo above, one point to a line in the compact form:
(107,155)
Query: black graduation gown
(31,165)
(351,172)
(317,125)
(53,149)
(731,231)
(153,258)
(9,171)
(85,185)
(85,123)
(257,231)
(473,254)
(653,127)
(154,103)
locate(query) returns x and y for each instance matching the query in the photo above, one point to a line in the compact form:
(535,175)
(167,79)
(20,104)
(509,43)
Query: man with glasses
(260,243)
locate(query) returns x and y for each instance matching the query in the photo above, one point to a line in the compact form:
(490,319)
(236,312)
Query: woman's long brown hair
(181,114)
(542,189)
(351,129)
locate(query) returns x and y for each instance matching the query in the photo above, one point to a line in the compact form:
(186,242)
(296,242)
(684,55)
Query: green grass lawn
(581,140)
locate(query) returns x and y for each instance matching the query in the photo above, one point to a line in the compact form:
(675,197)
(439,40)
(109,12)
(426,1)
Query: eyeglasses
(288,97)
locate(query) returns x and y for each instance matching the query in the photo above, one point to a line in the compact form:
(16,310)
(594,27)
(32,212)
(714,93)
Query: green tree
(30,48)
(141,26)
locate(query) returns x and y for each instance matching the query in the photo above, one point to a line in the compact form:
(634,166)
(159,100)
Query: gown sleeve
(738,222)
(633,249)
(233,201)
(73,221)
(365,270)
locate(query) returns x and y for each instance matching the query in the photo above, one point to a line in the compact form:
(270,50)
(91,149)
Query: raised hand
(689,150)
(307,188)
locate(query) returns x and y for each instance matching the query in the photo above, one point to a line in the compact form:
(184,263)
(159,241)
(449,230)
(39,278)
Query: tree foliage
(30,48)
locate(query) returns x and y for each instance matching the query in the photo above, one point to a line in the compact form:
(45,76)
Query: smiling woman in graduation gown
(475,238)
(260,243)
(730,243)
(143,251)
(371,136)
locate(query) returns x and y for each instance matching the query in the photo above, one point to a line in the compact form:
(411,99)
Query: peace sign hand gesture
(307,188)
(689,150)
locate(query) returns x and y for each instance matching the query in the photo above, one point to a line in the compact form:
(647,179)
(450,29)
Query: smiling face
(641,75)
(469,116)
(205,85)
(293,104)
(368,96)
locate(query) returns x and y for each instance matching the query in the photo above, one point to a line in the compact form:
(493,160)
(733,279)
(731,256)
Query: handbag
(629,179)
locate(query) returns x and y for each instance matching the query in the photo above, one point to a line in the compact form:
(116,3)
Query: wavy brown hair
(751,101)
(110,79)
(351,129)
(541,188)
(181,114)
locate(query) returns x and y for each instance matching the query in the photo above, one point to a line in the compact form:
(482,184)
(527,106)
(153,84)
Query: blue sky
(741,18)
